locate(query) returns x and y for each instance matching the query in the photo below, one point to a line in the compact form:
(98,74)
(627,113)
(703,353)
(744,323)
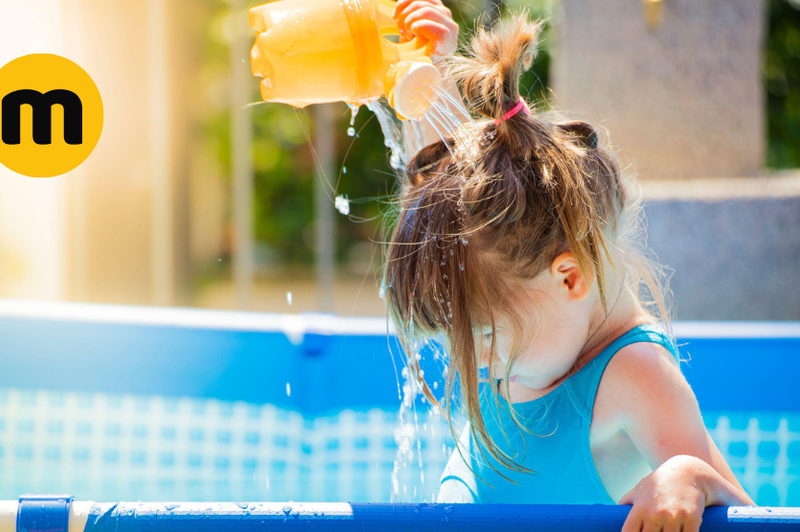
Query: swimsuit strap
(582,387)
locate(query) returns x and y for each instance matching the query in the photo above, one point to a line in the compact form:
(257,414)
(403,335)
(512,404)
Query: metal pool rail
(61,514)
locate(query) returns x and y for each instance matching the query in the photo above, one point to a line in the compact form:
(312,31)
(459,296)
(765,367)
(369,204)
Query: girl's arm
(659,412)
(431,20)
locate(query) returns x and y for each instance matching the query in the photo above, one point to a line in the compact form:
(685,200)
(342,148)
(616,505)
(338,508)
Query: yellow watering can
(319,51)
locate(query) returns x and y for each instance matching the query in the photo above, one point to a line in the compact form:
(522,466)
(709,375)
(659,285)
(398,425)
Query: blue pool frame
(52,513)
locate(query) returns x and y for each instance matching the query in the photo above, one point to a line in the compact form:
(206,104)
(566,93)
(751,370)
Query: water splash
(351,131)
(407,431)
(408,435)
(454,125)
(462,136)
(448,118)
(400,143)
(382,295)
(342,204)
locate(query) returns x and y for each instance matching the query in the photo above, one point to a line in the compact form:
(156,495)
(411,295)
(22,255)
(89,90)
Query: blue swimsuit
(560,455)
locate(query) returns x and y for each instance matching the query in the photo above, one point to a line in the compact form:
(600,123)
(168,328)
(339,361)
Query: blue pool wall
(127,403)
(331,362)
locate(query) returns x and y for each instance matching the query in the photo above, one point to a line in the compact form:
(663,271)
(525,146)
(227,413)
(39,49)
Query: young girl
(516,244)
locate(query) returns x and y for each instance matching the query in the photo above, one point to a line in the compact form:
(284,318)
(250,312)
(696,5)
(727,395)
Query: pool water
(126,447)
(111,447)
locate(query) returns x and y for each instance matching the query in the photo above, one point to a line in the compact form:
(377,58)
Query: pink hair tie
(521,105)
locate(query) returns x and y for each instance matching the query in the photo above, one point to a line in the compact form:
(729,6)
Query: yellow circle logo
(51,115)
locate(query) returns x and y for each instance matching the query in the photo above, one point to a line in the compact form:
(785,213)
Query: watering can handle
(416,47)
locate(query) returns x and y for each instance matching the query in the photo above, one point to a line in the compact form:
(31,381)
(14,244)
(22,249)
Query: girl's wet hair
(472,229)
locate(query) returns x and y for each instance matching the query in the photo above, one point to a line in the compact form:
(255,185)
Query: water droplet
(242,505)
(287,510)
(395,161)
(351,131)
(353,112)
(289,298)
(342,204)
(288,390)
(344,169)
(171,506)
(436,385)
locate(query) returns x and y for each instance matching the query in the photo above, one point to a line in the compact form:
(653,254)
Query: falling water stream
(454,125)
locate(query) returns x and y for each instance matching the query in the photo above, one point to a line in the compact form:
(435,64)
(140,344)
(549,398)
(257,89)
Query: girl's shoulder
(641,379)
(457,483)
(644,344)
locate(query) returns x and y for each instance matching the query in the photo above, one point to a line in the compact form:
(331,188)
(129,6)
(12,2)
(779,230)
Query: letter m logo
(42,105)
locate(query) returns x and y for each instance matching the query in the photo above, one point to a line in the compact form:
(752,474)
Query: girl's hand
(431,20)
(673,497)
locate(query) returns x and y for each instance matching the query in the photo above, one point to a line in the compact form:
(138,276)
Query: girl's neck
(624,314)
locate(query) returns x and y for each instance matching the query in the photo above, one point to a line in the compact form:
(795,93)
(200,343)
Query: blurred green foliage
(285,172)
(782,81)
(284,162)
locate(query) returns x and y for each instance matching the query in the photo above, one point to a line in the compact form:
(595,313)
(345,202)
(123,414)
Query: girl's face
(557,329)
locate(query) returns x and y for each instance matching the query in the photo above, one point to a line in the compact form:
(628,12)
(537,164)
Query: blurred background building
(194,198)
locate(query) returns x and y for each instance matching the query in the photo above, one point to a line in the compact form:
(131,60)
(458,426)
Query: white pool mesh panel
(111,447)
(763,451)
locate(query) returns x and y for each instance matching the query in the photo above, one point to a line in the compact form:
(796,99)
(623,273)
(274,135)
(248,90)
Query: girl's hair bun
(582,132)
(493,63)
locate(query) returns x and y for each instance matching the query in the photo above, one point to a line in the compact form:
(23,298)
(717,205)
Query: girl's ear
(569,277)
